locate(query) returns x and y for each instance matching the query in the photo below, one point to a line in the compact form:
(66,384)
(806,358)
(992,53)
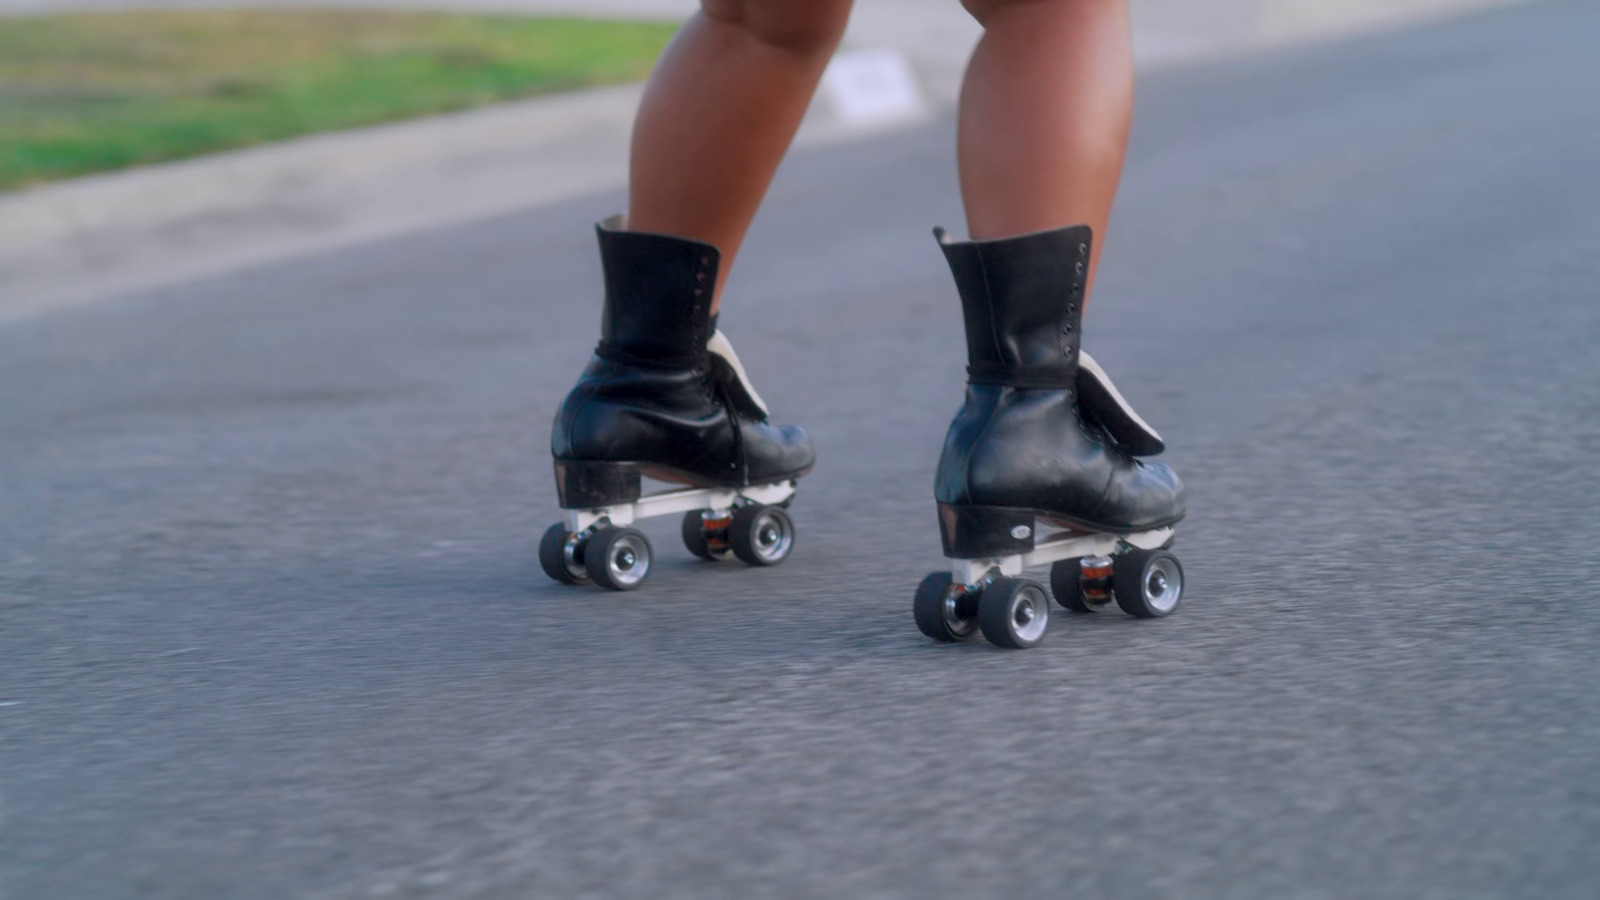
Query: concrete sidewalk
(93,237)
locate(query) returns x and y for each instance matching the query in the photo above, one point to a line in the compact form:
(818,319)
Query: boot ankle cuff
(1049,378)
(612,354)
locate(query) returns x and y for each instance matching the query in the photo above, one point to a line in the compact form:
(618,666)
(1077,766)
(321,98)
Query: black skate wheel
(942,613)
(1148,583)
(761,535)
(561,557)
(1014,613)
(694,537)
(618,558)
(1067,584)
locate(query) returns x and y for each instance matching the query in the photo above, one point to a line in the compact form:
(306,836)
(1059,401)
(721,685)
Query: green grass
(91,92)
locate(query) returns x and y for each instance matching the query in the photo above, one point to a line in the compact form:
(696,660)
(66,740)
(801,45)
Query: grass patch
(89,92)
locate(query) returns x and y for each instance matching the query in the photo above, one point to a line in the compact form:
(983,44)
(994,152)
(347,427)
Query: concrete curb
(72,242)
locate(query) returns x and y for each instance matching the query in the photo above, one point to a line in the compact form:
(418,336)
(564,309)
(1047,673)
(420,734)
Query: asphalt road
(271,622)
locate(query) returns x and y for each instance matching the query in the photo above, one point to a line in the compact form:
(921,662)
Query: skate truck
(600,545)
(1088,573)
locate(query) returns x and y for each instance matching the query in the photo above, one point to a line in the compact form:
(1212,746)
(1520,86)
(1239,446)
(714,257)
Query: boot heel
(970,532)
(588,485)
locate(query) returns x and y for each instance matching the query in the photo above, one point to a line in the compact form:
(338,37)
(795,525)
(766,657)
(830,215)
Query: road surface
(271,622)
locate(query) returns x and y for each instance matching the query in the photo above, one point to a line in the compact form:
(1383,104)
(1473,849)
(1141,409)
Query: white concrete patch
(873,87)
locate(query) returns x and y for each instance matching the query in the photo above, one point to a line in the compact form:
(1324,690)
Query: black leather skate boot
(1043,433)
(664,395)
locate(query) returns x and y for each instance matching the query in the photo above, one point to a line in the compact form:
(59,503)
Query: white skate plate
(1053,549)
(681,500)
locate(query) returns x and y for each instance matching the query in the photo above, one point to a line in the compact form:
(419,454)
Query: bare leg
(721,109)
(1045,112)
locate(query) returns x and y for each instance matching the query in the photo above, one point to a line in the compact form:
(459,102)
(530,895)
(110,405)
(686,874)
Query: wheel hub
(627,560)
(1163,584)
(1030,613)
(770,535)
(958,619)
(572,554)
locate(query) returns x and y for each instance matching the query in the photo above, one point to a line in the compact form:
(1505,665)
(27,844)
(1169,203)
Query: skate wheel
(761,535)
(942,612)
(1066,583)
(1014,612)
(696,539)
(561,555)
(1148,583)
(618,558)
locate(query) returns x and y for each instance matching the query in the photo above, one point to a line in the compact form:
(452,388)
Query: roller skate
(665,396)
(1044,440)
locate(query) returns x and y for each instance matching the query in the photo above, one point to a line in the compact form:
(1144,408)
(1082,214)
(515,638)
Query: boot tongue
(658,298)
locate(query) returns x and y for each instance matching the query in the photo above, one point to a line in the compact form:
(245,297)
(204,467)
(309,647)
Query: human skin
(1043,126)
(1046,106)
(719,113)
